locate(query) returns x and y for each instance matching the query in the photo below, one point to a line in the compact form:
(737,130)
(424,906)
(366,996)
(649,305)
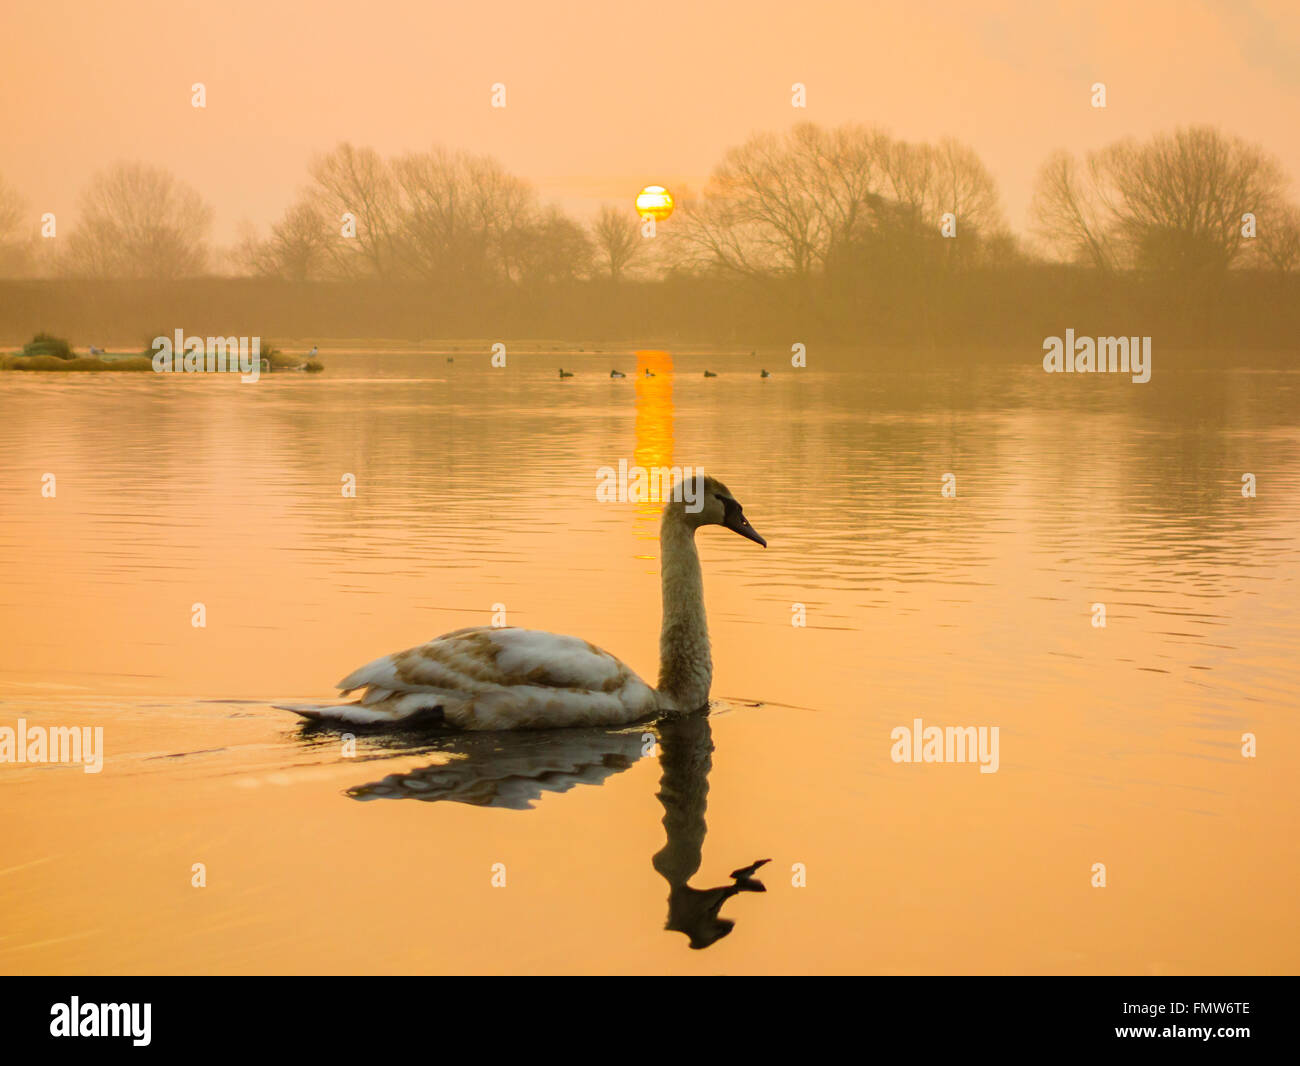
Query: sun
(654,201)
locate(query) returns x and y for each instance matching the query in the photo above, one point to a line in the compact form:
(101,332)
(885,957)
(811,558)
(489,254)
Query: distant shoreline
(1007,310)
(533,353)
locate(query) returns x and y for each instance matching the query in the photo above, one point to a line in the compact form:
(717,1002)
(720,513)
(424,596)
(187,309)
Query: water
(476,488)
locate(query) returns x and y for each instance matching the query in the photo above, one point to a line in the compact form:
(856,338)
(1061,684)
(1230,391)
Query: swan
(507,678)
(565,373)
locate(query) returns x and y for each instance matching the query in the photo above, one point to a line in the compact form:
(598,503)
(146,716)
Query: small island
(46,352)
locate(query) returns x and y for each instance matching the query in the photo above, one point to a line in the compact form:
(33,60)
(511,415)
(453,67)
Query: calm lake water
(476,487)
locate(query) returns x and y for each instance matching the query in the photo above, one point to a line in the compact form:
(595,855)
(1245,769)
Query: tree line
(826,210)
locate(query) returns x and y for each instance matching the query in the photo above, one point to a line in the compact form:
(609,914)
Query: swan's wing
(486,678)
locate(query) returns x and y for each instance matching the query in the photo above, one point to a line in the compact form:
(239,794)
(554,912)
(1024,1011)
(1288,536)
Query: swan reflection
(685,758)
(512,770)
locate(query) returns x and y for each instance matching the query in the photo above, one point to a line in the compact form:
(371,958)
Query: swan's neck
(685,667)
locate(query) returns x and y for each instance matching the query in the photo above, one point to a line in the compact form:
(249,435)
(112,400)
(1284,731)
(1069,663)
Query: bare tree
(354,190)
(847,173)
(298,248)
(553,248)
(964,187)
(139,221)
(16,239)
(1172,205)
(461,216)
(813,199)
(1279,238)
(504,209)
(911,232)
(759,213)
(1067,211)
(617,238)
(1180,198)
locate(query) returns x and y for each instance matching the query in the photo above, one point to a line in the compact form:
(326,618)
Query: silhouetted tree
(552,248)
(16,240)
(812,200)
(1180,198)
(139,221)
(1172,205)
(1279,238)
(1067,211)
(461,216)
(359,184)
(759,214)
(617,238)
(298,248)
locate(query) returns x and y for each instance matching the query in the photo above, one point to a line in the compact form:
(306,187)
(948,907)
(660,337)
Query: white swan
(486,678)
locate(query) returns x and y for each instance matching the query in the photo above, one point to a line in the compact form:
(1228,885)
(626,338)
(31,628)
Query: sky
(603,98)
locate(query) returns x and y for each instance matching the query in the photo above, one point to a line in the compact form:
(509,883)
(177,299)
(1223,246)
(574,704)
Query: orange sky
(602,97)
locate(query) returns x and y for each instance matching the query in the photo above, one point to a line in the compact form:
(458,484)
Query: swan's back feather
(487,678)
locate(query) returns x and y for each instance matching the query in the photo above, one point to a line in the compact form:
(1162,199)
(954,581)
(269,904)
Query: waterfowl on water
(647,373)
(565,373)
(617,374)
(764,374)
(489,678)
(710,374)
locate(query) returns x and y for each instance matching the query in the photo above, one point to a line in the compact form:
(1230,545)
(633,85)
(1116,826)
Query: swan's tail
(409,709)
(304,709)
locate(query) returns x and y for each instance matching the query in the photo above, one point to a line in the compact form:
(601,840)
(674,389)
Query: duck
(764,374)
(565,373)
(710,374)
(506,678)
(647,373)
(96,351)
(617,374)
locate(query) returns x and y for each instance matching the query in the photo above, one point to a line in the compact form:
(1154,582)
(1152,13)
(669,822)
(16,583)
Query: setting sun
(654,201)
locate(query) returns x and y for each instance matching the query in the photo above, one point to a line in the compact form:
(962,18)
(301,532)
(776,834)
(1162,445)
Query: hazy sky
(605,97)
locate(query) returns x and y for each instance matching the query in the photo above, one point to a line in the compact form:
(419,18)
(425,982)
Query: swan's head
(706,501)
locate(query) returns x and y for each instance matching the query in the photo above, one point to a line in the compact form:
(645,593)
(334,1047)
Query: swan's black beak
(738,523)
